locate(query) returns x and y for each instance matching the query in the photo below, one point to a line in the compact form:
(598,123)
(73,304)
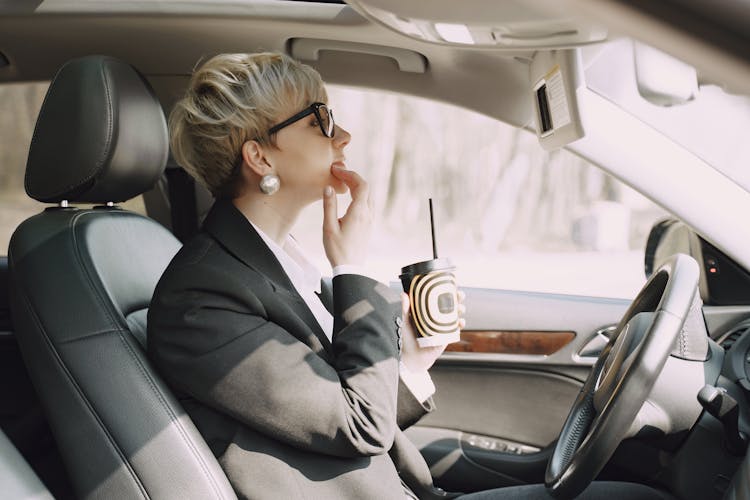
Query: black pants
(609,490)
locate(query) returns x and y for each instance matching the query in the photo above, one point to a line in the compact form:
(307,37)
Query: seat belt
(184,214)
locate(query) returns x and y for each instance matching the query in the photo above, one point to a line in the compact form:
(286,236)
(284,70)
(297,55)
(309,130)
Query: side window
(509,214)
(19,106)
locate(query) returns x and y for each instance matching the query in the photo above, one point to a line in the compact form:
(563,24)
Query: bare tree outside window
(509,214)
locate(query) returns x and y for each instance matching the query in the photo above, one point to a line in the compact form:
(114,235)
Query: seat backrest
(81,282)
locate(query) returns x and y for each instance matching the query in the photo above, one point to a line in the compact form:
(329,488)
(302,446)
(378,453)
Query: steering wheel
(622,377)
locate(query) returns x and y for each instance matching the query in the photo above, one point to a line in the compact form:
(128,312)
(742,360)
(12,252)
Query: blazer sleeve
(409,409)
(216,343)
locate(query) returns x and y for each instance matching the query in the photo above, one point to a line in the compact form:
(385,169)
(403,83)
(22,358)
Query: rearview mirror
(662,79)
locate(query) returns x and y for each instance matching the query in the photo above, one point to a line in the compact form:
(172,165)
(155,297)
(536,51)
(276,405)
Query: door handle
(593,348)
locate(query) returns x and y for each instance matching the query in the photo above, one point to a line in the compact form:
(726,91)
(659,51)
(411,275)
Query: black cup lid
(427,266)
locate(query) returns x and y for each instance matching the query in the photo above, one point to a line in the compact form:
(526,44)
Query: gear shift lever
(721,405)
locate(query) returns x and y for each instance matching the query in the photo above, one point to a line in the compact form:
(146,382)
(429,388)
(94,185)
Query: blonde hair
(231,99)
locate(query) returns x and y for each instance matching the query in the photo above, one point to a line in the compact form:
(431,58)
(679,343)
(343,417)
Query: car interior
(85,415)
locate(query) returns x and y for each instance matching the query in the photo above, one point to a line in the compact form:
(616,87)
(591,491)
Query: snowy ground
(597,274)
(617,275)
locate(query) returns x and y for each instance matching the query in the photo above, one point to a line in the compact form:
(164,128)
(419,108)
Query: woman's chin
(337,185)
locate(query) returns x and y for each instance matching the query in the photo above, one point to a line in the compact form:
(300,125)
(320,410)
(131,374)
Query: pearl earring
(269,184)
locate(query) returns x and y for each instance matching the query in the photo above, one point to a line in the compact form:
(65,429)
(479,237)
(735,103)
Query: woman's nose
(342,137)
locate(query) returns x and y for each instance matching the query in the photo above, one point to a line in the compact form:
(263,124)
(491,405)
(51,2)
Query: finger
(330,211)
(461,296)
(404,304)
(461,324)
(356,184)
(461,309)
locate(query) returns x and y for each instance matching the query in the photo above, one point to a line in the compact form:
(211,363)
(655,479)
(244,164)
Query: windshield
(713,125)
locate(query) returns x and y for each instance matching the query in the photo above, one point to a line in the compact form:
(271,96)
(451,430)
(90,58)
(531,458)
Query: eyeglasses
(322,113)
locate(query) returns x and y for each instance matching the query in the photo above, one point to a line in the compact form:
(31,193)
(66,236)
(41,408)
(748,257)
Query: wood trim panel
(511,342)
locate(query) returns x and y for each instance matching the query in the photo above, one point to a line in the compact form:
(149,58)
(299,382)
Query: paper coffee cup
(433,295)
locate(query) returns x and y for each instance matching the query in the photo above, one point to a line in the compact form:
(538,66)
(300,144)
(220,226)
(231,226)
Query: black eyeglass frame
(313,109)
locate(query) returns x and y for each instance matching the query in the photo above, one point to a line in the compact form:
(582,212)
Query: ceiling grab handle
(309,49)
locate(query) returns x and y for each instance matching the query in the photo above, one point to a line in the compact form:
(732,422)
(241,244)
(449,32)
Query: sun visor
(555,78)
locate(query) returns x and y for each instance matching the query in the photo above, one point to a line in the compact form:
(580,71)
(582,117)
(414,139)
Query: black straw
(432,228)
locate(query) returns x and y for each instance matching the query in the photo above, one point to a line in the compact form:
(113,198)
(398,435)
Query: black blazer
(288,413)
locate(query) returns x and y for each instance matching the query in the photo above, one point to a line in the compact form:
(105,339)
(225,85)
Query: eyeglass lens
(326,120)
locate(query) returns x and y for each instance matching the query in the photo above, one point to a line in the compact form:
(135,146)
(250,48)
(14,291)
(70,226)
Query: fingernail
(328,191)
(337,167)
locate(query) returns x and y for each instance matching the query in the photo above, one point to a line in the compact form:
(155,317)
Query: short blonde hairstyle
(231,99)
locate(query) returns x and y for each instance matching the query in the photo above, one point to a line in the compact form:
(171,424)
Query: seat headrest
(100,136)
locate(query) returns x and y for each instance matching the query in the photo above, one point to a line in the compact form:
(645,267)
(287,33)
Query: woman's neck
(274,214)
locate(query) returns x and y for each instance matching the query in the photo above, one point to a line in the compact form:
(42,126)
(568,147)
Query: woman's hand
(347,240)
(418,358)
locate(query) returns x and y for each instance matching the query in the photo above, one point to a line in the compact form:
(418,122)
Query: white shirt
(305,278)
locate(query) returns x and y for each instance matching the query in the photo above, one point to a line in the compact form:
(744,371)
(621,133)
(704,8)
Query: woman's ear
(254,157)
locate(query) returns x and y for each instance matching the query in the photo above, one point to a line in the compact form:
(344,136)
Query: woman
(302,391)
(299,390)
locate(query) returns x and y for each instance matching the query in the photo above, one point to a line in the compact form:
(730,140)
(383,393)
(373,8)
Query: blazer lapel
(326,294)
(230,227)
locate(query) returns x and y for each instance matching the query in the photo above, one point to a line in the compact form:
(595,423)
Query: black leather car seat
(81,283)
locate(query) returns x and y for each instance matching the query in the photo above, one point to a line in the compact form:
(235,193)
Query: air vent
(733,336)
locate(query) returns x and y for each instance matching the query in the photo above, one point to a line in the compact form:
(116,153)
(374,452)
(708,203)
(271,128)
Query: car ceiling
(170,44)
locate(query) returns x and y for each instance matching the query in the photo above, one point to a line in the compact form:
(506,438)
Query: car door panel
(501,401)
(519,405)
(458,461)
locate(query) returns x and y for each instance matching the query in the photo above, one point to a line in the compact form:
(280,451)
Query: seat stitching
(171,414)
(100,332)
(88,336)
(110,122)
(98,286)
(81,393)
(106,153)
